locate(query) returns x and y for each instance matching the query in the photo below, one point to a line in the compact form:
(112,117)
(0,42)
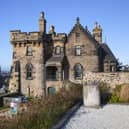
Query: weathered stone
(91,96)
(58,56)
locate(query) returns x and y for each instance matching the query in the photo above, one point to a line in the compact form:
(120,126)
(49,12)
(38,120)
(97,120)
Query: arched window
(58,50)
(29,51)
(29,69)
(78,71)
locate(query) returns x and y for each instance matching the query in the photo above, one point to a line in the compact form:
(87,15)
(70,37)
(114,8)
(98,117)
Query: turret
(42,23)
(97,32)
(52,30)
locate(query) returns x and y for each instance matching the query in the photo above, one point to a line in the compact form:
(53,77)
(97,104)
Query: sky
(112,15)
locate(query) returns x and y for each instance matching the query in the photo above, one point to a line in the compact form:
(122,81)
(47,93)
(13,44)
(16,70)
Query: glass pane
(58,50)
(77,50)
(78,71)
(29,71)
(52,73)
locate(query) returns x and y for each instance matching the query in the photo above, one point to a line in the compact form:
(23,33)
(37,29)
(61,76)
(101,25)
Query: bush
(120,94)
(44,113)
(114,99)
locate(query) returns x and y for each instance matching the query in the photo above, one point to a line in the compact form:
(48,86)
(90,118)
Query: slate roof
(110,55)
(55,60)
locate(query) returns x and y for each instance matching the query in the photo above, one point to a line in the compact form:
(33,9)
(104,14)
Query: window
(77,50)
(14,55)
(78,71)
(17,66)
(51,73)
(58,50)
(29,51)
(29,69)
(112,68)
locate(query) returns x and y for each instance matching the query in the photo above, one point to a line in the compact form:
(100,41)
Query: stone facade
(23,59)
(42,61)
(111,79)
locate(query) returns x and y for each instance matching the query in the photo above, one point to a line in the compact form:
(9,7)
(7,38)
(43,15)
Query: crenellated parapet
(18,36)
(60,37)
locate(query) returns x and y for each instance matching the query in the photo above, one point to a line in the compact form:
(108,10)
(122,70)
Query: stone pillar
(59,73)
(91,95)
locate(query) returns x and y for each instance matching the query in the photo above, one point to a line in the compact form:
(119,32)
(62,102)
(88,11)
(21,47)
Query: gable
(82,37)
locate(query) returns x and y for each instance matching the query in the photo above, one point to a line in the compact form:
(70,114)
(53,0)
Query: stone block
(91,95)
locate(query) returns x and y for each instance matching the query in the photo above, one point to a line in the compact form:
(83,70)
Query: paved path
(108,117)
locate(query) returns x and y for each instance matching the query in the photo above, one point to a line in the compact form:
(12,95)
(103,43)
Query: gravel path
(108,117)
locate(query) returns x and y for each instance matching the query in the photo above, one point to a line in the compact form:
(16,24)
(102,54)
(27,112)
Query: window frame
(29,71)
(78,71)
(77,51)
(29,52)
(58,50)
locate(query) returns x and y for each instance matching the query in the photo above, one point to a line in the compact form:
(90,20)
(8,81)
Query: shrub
(117,90)
(114,99)
(44,113)
(120,94)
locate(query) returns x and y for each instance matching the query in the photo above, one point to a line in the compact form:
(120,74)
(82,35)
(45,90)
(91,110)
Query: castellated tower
(28,61)
(97,33)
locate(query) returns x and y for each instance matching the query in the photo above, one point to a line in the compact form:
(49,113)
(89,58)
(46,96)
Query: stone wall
(18,80)
(88,58)
(112,79)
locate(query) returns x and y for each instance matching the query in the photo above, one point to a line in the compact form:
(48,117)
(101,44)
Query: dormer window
(77,50)
(58,50)
(29,51)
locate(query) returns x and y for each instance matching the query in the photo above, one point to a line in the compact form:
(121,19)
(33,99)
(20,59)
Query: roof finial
(52,30)
(96,24)
(78,20)
(42,15)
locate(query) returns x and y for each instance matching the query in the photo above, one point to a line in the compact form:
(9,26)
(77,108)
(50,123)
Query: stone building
(42,61)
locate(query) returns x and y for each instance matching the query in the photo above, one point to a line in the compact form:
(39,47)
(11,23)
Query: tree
(119,65)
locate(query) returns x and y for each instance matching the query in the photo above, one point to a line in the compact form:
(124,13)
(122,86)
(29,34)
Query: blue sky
(112,15)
